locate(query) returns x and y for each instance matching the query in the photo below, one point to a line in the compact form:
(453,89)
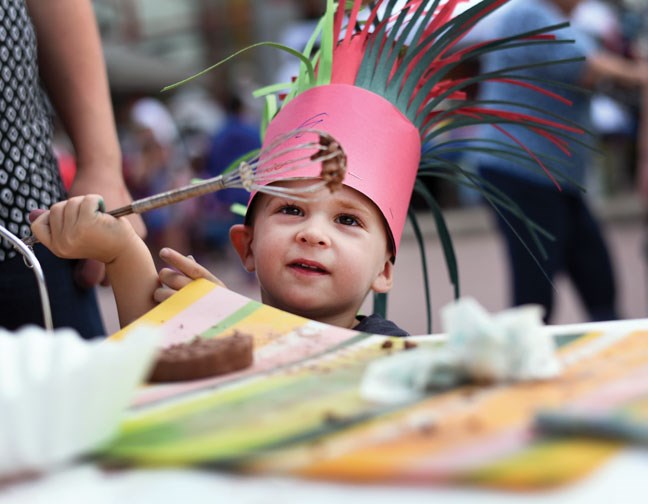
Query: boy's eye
(290,210)
(348,220)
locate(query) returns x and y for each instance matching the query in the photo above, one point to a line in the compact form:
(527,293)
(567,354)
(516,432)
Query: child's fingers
(182,271)
(182,263)
(41,228)
(56,219)
(170,282)
(91,204)
(173,279)
(187,265)
(162,293)
(58,228)
(64,217)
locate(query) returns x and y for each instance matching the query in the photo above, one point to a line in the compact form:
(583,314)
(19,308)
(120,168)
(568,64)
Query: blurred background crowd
(197,129)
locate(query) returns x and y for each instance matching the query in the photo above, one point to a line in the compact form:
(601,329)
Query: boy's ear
(241,238)
(385,279)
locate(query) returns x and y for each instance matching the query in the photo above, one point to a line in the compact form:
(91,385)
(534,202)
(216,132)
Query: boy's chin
(309,309)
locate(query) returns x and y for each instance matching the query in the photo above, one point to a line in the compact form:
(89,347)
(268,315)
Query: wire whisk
(273,163)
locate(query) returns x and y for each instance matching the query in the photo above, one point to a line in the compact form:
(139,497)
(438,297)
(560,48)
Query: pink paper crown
(382,146)
(382,86)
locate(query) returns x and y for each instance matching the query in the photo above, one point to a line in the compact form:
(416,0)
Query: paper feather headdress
(382,83)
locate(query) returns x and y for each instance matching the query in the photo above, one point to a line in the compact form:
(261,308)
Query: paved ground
(482,270)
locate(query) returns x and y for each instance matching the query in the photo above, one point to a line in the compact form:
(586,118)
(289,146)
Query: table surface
(624,478)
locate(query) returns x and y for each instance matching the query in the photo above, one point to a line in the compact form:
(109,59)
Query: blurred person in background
(636,27)
(56,43)
(578,248)
(296,35)
(155,161)
(615,110)
(239,135)
(198,116)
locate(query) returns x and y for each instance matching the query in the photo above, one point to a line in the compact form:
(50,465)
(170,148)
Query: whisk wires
(278,161)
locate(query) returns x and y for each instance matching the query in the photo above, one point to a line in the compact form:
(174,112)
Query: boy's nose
(313,235)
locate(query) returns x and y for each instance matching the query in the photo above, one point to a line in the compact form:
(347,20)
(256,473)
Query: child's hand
(78,229)
(182,272)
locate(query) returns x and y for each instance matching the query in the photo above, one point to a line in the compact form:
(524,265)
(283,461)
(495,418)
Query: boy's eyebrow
(352,204)
(340,201)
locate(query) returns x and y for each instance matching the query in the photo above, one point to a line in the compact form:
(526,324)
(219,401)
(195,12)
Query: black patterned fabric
(375,324)
(29,176)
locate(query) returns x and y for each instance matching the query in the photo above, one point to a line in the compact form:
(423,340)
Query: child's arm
(183,271)
(133,279)
(78,229)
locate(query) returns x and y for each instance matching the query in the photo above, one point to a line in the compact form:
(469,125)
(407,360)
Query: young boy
(317,258)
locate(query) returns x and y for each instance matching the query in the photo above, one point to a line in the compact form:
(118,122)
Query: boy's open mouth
(308,266)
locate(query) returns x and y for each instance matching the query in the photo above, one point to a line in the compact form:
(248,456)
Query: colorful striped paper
(303,401)
(210,311)
(305,417)
(482,435)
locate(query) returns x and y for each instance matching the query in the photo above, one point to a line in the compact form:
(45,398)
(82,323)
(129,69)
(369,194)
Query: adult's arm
(630,74)
(642,146)
(73,71)
(606,66)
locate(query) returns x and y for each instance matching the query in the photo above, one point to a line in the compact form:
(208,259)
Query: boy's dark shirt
(375,324)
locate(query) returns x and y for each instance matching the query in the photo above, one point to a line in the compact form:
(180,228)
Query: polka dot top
(29,176)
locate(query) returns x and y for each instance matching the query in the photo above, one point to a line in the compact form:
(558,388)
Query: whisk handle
(160,200)
(170,197)
(122,211)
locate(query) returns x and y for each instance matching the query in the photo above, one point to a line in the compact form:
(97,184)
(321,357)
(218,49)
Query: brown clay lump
(203,358)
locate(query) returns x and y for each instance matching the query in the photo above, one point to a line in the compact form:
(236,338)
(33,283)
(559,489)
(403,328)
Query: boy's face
(319,258)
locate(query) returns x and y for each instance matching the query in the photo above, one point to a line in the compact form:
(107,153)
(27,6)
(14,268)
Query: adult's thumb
(35,214)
